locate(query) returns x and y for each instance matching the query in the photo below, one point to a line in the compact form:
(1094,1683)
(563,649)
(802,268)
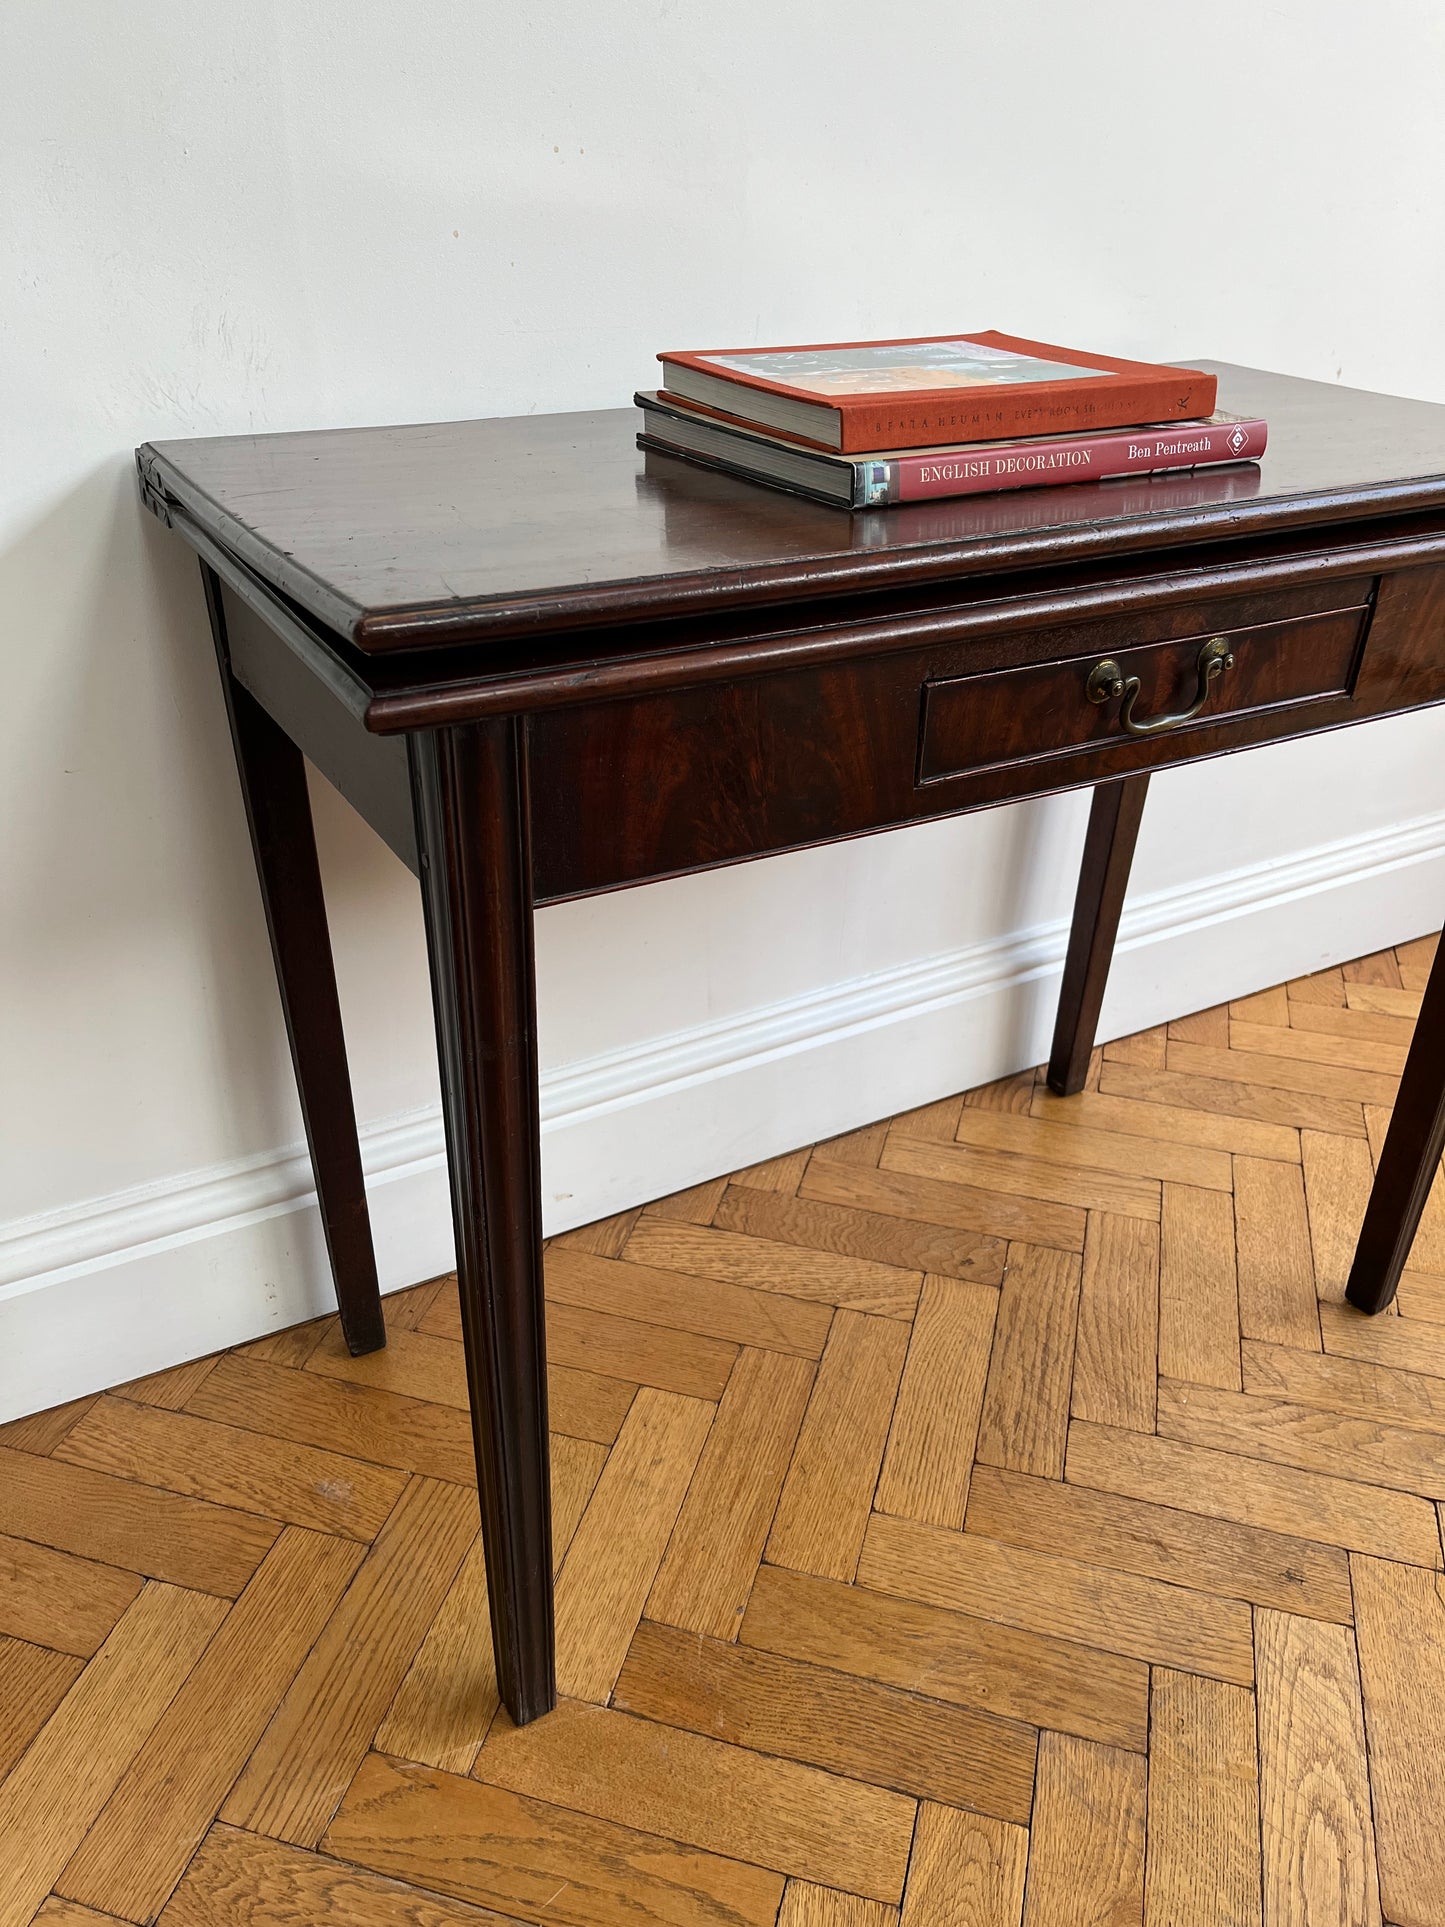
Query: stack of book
(864,424)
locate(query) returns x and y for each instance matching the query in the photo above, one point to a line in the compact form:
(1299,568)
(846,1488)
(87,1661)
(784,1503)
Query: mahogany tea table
(541,665)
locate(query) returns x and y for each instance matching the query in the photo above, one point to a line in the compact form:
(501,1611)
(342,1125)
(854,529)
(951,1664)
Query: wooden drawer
(950,718)
(991,720)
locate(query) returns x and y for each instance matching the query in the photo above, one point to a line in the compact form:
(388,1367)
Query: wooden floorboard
(1203,1832)
(992,1517)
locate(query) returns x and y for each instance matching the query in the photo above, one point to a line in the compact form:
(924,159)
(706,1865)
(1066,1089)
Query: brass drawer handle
(1107,680)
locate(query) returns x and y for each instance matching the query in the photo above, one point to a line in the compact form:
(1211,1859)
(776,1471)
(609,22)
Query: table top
(449,533)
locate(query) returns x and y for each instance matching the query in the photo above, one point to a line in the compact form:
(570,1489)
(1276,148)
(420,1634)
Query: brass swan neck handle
(1107,680)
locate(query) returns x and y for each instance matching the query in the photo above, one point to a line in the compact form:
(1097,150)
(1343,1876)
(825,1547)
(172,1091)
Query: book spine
(1071,458)
(989,414)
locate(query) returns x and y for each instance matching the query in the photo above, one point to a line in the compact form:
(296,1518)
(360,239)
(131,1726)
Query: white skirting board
(114,1287)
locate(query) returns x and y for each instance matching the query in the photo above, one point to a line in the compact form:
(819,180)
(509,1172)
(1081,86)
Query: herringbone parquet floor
(993,1514)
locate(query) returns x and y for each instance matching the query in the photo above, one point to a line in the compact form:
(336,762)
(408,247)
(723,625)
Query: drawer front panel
(987,721)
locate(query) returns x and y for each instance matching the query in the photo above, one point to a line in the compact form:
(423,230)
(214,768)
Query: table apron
(674,780)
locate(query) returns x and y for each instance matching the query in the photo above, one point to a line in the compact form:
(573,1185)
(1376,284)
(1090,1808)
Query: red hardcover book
(972,468)
(855,396)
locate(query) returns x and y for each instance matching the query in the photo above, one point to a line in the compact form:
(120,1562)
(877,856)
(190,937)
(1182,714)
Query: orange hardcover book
(855,396)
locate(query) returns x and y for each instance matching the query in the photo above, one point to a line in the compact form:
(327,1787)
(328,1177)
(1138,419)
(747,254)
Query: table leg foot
(1103,878)
(1410,1159)
(470,790)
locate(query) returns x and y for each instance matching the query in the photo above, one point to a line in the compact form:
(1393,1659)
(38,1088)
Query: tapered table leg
(278,809)
(1410,1159)
(470,791)
(1103,878)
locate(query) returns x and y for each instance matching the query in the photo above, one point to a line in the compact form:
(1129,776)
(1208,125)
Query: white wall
(268,217)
